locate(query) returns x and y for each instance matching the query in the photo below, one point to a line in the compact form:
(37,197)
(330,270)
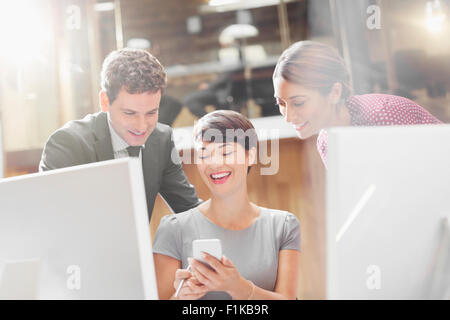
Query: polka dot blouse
(379,110)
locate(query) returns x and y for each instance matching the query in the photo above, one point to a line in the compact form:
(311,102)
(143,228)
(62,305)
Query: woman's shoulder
(285,227)
(372,101)
(375,108)
(386,109)
(178,219)
(278,217)
(380,101)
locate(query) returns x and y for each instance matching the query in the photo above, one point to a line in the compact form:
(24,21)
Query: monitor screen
(387,200)
(85,228)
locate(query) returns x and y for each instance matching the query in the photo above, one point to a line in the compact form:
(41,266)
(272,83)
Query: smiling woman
(260,245)
(226,128)
(226,147)
(312,89)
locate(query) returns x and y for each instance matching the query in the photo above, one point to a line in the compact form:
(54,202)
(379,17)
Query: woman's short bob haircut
(314,65)
(224,126)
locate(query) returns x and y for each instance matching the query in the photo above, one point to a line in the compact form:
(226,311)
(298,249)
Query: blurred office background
(51,54)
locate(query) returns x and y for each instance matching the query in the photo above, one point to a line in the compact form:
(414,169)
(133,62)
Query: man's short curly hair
(134,69)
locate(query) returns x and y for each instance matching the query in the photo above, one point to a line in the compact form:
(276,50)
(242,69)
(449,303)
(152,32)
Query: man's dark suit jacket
(89,140)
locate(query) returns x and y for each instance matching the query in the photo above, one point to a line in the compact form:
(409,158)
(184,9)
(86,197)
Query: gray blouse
(253,250)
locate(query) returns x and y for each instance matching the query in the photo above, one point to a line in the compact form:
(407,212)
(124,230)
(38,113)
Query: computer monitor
(85,228)
(388,195)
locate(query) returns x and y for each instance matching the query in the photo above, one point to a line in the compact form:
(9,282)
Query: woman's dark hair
(224,126)
(314,65)
(134,69)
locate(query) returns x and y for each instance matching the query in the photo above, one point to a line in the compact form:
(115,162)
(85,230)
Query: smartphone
(211,246)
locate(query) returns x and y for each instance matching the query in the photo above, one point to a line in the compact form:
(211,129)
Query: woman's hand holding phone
(221,276)
(209,270)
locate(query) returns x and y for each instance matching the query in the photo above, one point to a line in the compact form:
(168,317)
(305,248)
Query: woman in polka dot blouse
(312,89)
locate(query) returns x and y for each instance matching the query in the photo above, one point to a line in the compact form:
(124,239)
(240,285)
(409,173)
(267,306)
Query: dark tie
(134,151)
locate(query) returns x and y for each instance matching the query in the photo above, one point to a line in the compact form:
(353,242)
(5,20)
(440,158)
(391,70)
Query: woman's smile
(301,126)
(220,177)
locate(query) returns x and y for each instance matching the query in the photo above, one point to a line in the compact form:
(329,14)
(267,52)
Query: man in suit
(132,84)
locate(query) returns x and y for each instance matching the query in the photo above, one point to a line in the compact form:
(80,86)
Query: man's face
(133,116)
